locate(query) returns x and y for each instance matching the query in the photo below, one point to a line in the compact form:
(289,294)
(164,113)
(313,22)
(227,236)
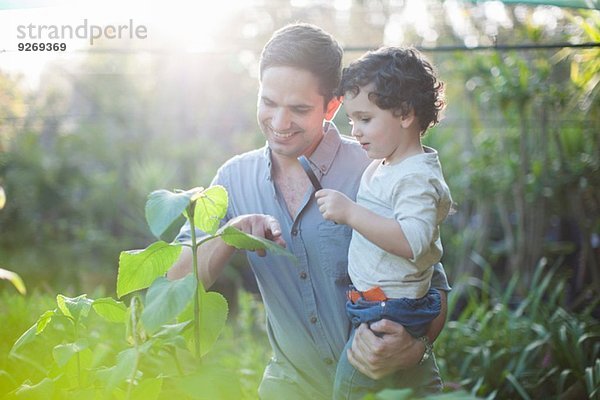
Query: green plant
(503,347)
(168,330)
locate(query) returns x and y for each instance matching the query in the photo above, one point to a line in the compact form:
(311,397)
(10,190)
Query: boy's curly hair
(403,81)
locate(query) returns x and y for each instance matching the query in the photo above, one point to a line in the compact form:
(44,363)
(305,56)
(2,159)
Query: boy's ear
(408,119)
(332,108)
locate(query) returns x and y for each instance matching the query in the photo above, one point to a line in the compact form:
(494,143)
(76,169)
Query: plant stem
(198,282)
(77,355)
(134,316)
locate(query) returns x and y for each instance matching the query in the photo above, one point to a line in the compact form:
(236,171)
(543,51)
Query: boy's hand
(334,205)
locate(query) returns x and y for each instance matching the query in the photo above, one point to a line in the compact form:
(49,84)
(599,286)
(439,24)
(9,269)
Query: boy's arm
(384,232)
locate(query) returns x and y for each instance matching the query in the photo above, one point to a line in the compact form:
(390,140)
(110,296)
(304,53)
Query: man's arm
(212,258)
(214,254)
(378,357)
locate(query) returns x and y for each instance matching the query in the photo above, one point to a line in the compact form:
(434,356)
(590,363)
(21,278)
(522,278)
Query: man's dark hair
(403,81)
(307,47)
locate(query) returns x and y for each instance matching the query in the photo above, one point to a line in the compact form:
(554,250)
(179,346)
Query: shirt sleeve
(439,280)
(415,208)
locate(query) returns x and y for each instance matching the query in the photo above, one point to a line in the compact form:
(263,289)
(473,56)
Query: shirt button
(294,232)
(303,275)
(328,361)
(313,320)
(323,168)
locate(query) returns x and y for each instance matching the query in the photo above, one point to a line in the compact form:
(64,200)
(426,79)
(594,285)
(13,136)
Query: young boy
(392,97)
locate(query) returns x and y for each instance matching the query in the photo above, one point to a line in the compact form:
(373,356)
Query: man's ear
(332,108)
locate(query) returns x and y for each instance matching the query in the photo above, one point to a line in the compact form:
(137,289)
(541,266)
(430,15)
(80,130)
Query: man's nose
(281,120)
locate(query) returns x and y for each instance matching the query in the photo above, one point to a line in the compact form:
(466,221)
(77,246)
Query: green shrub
(530,349)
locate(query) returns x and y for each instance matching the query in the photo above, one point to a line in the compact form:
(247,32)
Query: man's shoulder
(349,141)
(254,157)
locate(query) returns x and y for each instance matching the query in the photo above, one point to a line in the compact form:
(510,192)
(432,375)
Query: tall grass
(500,347)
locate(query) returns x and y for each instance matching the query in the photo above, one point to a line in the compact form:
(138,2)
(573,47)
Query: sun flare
(82,27)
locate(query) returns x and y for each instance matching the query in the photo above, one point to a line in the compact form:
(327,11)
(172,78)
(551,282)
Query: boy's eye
(365,120)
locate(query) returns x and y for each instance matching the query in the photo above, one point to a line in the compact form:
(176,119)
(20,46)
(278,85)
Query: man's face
(290,111)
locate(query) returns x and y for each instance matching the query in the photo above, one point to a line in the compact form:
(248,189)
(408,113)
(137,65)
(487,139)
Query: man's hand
(335,206)
(260,225)
(377,357)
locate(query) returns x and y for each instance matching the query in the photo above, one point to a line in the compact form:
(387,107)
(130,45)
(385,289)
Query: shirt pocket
(334,241)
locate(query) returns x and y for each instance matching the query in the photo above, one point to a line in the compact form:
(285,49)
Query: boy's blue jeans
(415,315)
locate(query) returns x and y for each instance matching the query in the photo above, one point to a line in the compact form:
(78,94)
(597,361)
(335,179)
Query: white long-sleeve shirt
(415,194)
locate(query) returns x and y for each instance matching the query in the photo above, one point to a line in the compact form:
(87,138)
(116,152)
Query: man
(270,196)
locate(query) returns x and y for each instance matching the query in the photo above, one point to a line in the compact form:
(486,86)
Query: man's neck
(291,181)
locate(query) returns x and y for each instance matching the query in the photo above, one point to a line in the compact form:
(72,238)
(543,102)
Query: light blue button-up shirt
(304,300)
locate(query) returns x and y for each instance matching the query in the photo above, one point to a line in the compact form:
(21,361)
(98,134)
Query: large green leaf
(124,369)
(76,374)
(25,338)
(166,299)
(211,207)
(171,331)
(139,268)
(213,315)
(74,307)
(240,240)
(62,353)
(110,309)
(164,209)
(44,389)
(44,320)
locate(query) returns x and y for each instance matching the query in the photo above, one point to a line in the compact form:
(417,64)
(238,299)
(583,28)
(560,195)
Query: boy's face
(291,111)
(381,134)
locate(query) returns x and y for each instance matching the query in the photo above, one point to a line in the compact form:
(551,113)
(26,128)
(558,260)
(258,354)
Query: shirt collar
(324,154)
(321,158)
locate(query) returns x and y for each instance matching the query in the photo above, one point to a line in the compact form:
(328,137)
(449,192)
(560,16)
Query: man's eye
(301,110)
(268,102)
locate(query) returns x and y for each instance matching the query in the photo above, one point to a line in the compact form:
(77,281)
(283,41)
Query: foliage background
(520,143)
